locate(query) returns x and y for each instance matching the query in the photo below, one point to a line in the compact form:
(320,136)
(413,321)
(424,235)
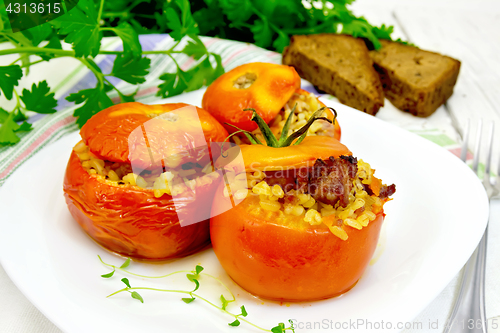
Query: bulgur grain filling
(274,197)
(173,182)
(305,106)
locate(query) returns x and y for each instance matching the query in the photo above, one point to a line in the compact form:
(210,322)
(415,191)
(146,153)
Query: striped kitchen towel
(49,128)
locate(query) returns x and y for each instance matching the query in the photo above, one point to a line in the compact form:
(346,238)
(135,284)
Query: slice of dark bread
(339,65)
(415,80)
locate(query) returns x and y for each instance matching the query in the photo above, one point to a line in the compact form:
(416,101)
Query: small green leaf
(199,269)
(224,302)
(278,329)
(9,128)
(127,283)
(54,43)
(237,11)
(188,300)
(193,279)
(383,32)
(136,295)
(183,24)
(131,70)
(94,100)
(174,23)
(128,98)
(219,69)
(209,19)
(39,99)
(82,29)
(7,135)
(262,33)
(24,127)
(126,263)
(244,312)
(235,323)
(3,115)
(281,42)
(38,33)
(195,49)
(199,75)
(110,274)
(292,327)
(130,40)
(9,77)
(174,83)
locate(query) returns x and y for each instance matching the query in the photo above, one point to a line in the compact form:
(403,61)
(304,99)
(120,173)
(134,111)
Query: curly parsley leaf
(201,75)
(383,32)
(183,81)
(18,115)
(183,25)
(9,128)
(210,19)
(82,29)
(237,11)
(39,98)
(195,48)
(94,100)
(9,77)
(281,42)
(38,33)
(130,69)
(130,39)
(262,33)
(54,43)
(361,28)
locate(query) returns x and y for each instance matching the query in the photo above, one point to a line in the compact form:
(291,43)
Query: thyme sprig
(194,276)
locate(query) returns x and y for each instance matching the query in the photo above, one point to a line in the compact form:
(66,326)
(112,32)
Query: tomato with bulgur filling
(310,218)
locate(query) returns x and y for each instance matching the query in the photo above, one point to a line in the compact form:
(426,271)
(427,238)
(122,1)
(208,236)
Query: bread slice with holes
(415,80)
(339,65)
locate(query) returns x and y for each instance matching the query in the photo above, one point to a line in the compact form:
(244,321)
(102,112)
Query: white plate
(435,221)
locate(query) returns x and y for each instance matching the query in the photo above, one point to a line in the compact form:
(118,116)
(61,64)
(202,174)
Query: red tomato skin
(283,263)
(129,220)
(272,88)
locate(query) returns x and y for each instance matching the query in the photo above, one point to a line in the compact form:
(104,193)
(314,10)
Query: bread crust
(339,65)
(415,80)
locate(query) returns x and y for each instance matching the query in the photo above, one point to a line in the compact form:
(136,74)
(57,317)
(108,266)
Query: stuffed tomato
(307,223)
(122,201)
(273,91)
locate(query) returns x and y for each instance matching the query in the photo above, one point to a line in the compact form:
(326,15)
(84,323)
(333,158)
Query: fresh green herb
(194,276)
(84,27)
(39,98)
(126,263)
(268,24)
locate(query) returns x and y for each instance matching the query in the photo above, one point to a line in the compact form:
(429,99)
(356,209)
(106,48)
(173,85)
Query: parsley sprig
(194,276)
(268,24)
(83,27)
